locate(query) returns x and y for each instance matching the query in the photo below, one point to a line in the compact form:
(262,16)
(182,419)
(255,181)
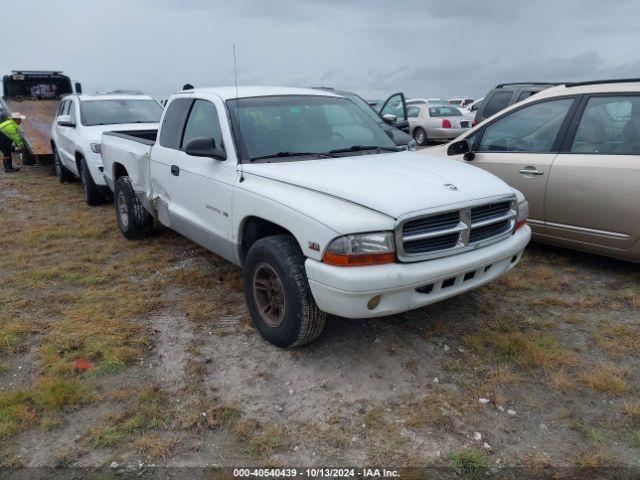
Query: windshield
(279,126)
(366,108)
(111,112)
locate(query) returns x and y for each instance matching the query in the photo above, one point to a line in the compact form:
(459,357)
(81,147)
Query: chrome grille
(454,231)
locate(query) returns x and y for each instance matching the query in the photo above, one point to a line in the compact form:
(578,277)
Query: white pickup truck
(306,193)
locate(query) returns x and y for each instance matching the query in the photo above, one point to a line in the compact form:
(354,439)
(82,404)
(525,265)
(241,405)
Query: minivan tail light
(446,123)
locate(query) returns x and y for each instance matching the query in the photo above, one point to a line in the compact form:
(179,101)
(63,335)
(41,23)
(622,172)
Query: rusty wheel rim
(268,294)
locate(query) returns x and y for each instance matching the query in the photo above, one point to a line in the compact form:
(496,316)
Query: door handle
(175,170)
(531,171)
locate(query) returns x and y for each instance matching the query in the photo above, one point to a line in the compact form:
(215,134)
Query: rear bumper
(445,133)
(345,291)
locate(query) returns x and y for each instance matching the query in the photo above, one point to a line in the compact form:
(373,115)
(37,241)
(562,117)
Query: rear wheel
(133,219)
(92,193)
(420,136)
(278,295)
(62,174)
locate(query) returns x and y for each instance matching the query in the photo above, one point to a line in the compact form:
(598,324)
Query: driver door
(520,147)
(396,105)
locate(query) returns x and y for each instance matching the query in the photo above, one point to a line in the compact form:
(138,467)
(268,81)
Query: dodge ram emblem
(450,186)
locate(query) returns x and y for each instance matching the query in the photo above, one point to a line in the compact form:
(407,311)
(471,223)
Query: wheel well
(255,228)
(78,158)
(119,170)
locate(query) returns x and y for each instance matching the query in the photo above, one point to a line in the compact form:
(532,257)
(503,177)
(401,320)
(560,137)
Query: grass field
(112,350)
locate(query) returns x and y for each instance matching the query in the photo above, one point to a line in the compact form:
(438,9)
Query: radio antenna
(235,75)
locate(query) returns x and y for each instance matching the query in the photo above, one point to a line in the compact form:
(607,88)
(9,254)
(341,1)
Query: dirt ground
(143,353)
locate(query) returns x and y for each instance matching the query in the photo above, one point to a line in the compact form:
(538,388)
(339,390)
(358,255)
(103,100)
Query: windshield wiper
(289,154)
(362,148)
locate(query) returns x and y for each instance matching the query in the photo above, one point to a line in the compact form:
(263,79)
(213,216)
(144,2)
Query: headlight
(96,148)
(523,214)
(362,249)
(412,145)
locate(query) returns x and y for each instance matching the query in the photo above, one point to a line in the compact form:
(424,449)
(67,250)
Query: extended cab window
(203,122)
(609,125)
(530,129)
(499,101)
(171,129)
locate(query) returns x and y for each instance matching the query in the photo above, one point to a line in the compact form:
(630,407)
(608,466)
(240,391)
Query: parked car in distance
(460,102)
(506,94)
(396,125)
(431,101)
(307,193)
(77,130)
(574,151)
(469,112)
(436,122)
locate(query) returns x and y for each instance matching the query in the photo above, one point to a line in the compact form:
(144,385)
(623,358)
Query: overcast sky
(434,48)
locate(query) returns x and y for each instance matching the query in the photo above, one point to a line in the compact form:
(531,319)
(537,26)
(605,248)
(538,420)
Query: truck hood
(394,184)
(94,133)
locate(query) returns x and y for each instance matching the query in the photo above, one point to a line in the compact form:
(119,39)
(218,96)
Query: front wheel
(278,295)
(92,194)
(133,219)
(420,136)
(62,174)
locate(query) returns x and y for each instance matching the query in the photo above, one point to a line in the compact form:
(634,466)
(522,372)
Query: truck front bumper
(350,291)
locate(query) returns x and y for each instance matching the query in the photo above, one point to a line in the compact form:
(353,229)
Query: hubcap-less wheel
(268,294)
(121,202)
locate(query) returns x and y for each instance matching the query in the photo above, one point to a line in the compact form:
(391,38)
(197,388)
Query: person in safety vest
(11,139)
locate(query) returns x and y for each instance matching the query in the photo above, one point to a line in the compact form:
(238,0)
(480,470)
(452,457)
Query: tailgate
(118,150)
(37,126)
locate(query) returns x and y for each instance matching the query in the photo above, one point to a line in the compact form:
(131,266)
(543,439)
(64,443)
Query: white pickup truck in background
(310,196)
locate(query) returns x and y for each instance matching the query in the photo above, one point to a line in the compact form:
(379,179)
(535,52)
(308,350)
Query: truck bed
(129,150)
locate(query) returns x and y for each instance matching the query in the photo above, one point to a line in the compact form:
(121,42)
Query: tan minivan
(574,151)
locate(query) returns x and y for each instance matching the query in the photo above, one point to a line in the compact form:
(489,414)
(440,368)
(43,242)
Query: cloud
(373,47)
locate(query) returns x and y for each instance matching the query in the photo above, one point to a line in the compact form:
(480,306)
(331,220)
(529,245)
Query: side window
(172,122)
(499,101)
(203,122)
(67,106)
(533,128)
(609,125)
(72,111)
(413,112)
(61,107)
(525,94)
(394,106)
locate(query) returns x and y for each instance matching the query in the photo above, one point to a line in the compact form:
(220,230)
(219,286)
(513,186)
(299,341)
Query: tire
(133,219)
(301,321)
(420,136)
(92,193)
(62,174)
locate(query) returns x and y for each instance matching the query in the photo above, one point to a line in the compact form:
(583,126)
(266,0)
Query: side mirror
(78,87)
(204,147)
(65,121)
(390,118)
(461,147)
